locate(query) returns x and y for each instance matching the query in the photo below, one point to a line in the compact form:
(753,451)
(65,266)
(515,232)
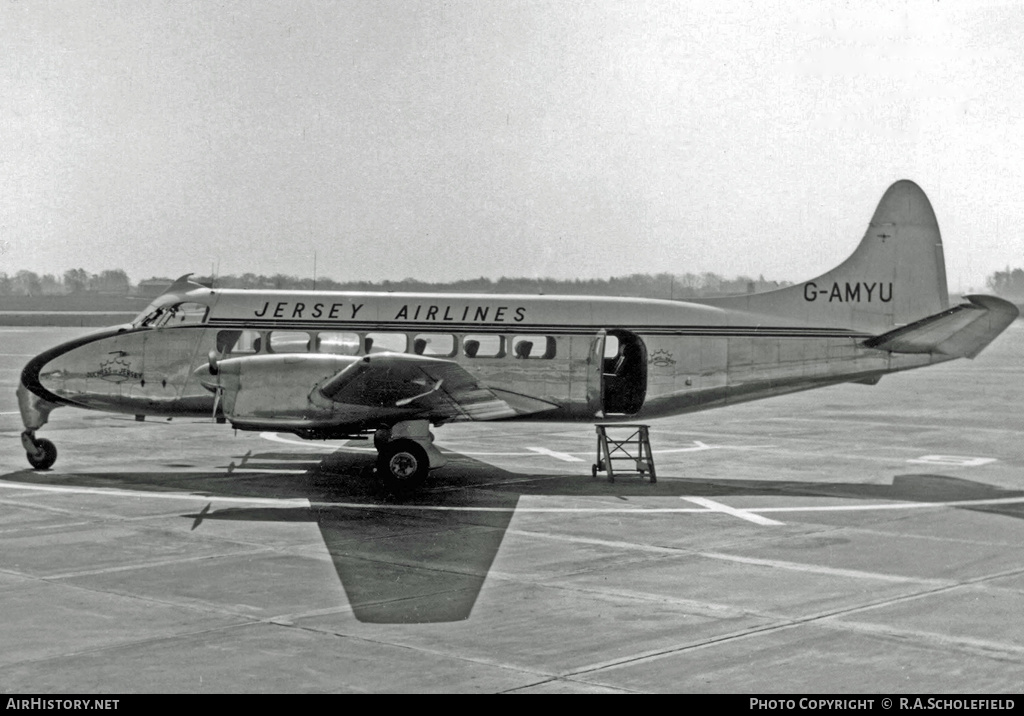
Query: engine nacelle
(275,387)
(285,393)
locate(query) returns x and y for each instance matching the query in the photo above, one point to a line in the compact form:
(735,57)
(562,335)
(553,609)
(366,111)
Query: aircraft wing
(960,332)
(433,386)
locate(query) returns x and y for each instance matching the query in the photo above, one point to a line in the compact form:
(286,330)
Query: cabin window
(385,342)
(531,347)
(289,342)
(434,344)
(238,342)
(346,344)
(483,346)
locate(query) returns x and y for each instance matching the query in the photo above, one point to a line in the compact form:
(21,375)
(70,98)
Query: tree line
(74,281)
(662,285)
(1007,283)
(115,282)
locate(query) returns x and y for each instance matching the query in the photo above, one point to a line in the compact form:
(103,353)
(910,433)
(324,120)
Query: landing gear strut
(406,455)
(41,453)
(35,411)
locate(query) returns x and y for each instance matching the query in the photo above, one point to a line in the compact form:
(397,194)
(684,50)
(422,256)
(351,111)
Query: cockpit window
(180,314)
(152,318)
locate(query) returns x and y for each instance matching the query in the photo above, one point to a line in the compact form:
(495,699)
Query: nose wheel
(41,453)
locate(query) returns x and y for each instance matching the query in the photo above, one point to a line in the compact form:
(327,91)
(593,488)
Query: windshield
(177,314)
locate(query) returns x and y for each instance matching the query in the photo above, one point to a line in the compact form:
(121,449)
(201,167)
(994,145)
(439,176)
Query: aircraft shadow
(424,557)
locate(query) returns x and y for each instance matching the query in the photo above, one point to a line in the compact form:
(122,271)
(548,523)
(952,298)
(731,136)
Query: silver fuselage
(592,358)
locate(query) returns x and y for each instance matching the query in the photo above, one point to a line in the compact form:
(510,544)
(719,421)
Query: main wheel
(403,465)
(46,457)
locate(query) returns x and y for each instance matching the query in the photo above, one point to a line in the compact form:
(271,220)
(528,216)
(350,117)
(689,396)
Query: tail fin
(896,276)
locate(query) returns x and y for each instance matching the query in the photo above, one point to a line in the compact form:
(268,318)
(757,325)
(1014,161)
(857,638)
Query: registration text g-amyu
(869,704)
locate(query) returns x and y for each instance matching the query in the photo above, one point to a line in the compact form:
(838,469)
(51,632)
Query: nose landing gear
(41,453)
(35,411)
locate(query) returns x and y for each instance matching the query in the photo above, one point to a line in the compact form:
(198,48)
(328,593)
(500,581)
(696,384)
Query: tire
(47,457)
(403,465)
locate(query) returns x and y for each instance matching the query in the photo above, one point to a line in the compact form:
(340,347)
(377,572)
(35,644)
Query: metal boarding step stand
(634,450)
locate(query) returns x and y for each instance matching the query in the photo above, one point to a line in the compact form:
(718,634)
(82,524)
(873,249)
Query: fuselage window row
(440,345)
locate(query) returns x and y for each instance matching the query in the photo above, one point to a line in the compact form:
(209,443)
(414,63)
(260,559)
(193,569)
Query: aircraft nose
(47,379)
(36,400)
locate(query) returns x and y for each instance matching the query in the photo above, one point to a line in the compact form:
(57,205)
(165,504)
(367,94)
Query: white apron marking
(735,512)
(558,455)
(953,460)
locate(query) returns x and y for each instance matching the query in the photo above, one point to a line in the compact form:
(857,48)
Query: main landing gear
(406,454)
(41,453)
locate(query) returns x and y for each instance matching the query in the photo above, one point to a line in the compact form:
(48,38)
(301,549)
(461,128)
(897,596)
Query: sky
(550,138)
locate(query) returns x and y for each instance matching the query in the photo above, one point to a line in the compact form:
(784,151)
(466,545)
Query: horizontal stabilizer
(959,332)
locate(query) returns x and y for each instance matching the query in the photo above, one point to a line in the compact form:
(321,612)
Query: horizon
(1008,283)
(103,283)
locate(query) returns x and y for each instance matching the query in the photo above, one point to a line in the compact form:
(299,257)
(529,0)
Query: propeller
(211,384)
(218,389)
